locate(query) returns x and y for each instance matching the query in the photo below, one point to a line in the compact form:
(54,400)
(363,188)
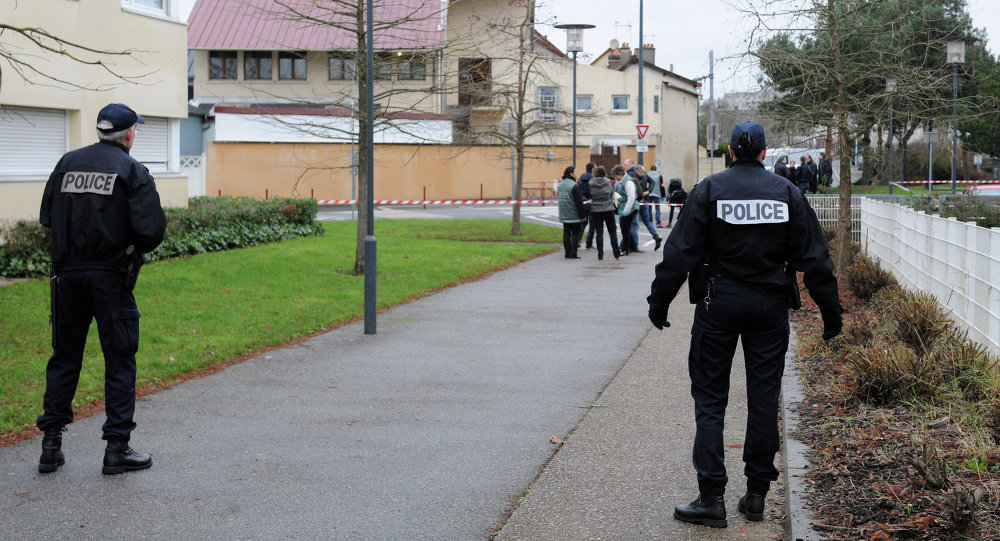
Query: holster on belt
(132,261)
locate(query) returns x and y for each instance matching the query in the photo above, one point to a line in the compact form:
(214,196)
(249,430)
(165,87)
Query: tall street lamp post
(956,56)
(931,139)
(574,44)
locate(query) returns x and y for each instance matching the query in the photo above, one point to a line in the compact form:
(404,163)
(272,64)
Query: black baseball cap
(117,117)
(748,135)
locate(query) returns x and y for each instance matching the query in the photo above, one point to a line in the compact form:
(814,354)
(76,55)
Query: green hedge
(209,224)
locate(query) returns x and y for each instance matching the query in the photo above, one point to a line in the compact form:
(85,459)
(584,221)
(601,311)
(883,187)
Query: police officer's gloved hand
(832,324)
(658,317)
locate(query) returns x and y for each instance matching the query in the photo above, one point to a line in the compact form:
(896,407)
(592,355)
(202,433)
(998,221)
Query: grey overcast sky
(684,31)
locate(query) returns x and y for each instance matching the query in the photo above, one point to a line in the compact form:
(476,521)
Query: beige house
(281,96)
(51,107)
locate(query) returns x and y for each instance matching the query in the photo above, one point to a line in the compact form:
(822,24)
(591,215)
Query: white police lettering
(752,211)
(83,182)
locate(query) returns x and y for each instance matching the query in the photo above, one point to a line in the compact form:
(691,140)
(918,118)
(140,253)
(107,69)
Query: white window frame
(32,140)
(628,105)
(548,104)
(153,144)
(168,11)
(587,109)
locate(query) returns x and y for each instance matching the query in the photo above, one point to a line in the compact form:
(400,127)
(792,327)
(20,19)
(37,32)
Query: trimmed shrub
(209,224)
(919,320)
(865,277)
(886,373)
(25,251)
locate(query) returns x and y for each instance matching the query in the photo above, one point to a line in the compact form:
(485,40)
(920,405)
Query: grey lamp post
(890,88)
(574,44)
(956,56)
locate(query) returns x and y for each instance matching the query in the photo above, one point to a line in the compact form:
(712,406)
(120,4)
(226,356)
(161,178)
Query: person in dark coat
(602,212)
(584,182)
(571,212)
(104,212)
(741,228)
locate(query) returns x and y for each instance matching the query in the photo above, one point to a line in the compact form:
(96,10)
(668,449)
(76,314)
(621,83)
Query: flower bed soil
(863,484)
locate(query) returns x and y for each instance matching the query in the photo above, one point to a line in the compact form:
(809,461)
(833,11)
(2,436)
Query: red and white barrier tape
(460,202)
(949,182)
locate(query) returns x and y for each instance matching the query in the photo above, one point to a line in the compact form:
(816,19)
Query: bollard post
(425,197)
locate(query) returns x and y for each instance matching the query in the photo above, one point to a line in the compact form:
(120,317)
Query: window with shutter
(31,140)
(152,144)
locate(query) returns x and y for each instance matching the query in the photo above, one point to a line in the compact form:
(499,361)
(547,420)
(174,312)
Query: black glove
(658,317)
(833,324)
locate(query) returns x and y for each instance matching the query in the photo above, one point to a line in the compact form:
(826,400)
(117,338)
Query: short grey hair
(115,136)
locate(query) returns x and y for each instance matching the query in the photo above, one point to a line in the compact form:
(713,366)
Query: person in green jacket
(571,211)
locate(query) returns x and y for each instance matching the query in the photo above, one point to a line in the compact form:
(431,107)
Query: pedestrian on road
(656,193)
(602,212)
(584,182)
(739,230)
(628,207)
(571,212)
(105,213)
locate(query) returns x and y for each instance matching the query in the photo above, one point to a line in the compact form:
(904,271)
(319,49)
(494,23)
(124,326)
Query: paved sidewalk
(432,429)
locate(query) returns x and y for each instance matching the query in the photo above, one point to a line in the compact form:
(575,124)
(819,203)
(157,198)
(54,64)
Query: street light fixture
(890,88)
(574,44)
(956,56)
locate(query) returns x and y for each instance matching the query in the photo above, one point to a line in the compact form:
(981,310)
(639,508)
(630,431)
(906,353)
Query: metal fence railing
(827,209)
(957,262)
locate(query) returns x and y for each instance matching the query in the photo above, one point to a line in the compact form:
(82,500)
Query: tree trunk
(844,217)
(363,127)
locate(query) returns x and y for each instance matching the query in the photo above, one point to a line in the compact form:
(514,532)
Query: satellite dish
(613,44)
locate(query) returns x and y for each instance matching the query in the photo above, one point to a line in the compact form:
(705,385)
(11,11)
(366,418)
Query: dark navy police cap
(117,117)
(748,135)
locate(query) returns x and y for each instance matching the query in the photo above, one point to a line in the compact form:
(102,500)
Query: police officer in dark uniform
(739,229)
(104,212)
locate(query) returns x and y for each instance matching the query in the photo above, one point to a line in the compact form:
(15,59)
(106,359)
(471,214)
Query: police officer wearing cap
(104,212)
(739,230)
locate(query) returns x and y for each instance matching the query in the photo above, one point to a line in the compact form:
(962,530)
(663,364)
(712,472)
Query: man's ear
(732,155)
(762,154)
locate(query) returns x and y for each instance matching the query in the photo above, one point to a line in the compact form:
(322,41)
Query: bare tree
(24,48)
(410,26)
(831,62)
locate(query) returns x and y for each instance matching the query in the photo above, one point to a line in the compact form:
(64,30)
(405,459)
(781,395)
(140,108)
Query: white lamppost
(956,56)
(574,44)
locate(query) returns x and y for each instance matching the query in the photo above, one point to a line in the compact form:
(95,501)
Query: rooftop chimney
(648,53)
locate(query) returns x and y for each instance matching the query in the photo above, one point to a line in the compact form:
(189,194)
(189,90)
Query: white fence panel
(194,167)
(957,262)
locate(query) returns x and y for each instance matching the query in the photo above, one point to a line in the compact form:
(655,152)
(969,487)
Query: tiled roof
(310,25)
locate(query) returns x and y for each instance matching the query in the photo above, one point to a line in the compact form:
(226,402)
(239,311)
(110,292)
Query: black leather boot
(707,510)
(120,458)
(52,455)
(752,505)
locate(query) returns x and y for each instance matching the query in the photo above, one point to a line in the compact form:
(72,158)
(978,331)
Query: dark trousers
(762,322)
(83,296)
(571,237)
(628,243)
(598,222)
(590,229)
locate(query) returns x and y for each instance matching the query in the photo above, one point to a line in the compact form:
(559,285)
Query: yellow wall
(401,171)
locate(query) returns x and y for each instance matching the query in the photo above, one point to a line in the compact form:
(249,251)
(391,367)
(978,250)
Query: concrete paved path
(432,429)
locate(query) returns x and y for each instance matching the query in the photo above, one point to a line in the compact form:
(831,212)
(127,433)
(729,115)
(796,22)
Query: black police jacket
(98,201)
(748,222)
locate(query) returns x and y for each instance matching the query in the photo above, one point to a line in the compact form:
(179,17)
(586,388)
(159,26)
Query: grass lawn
(206,311)
(939,189)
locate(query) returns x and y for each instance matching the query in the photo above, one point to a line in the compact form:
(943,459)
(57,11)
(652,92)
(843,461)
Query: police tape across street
(463,202)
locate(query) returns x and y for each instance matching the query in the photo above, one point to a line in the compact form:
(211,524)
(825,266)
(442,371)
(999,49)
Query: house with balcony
(278,85)
(51,107)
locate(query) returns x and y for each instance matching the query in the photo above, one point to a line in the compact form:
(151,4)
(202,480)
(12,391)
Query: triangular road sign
(643,128)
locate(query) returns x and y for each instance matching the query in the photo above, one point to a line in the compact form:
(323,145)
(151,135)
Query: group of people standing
(627,190)
(807,175)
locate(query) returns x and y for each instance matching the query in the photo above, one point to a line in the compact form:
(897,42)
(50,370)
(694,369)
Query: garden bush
(209,224)
(865,277)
